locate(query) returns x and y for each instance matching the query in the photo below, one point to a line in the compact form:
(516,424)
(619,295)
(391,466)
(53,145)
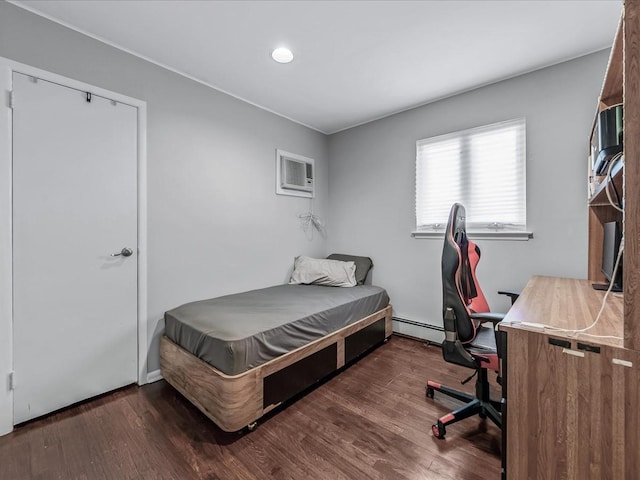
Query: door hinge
(12,99)
(12,380)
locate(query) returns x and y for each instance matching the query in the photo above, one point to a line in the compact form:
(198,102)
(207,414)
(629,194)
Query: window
(483,169)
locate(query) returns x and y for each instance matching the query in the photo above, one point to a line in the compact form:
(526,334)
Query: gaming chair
(470,335)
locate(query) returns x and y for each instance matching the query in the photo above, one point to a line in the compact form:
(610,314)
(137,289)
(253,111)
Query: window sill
(482,235)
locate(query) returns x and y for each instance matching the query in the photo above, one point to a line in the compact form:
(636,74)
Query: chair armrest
(512,295)
(494,318)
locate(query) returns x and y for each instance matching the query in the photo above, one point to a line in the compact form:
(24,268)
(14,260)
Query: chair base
(480,404)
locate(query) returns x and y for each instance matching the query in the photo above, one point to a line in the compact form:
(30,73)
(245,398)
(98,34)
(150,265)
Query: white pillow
(316,271)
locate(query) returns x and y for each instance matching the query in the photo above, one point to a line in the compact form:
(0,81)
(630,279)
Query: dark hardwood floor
(372,421)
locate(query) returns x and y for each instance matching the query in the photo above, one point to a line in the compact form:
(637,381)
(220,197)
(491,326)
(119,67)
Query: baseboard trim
(418,324)
(425,331)
(426,341)
(154,376)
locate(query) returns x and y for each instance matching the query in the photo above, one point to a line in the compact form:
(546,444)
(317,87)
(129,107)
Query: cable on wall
(311,222)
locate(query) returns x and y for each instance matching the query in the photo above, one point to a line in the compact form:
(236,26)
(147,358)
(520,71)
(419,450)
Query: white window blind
(483,169)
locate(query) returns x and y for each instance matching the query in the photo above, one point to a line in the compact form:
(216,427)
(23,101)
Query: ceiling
(355,61)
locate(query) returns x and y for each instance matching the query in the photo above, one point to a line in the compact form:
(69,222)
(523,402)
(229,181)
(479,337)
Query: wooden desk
(572,401)
(570,304)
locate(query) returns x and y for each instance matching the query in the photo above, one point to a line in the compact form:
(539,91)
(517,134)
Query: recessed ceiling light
(282,55)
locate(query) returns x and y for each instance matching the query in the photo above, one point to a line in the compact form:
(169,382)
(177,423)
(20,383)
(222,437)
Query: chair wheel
(430,392)
(438,430)
(252,426)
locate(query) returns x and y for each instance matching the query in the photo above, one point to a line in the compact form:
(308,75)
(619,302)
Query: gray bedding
(235,333)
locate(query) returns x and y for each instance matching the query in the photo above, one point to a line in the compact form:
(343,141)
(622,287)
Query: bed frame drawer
(359,342)
(285,383)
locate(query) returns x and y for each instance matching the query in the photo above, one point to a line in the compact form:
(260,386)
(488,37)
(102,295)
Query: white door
(74,204)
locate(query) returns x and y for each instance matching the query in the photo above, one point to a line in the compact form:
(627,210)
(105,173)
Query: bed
(239,356)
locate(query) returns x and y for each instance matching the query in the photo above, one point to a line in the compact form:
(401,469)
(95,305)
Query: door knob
(125,252)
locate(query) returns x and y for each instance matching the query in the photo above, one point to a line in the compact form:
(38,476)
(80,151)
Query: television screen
(610,246)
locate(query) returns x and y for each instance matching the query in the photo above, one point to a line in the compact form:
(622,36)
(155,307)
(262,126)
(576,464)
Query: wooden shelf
(599,197)
(600,210)
(622,84)
(612,91)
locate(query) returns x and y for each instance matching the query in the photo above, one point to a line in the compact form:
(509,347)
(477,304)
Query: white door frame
(7,67)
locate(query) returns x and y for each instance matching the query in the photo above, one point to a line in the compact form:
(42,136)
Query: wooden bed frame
(234,402)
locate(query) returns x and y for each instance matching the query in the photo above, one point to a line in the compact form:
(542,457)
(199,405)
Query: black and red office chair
(470,335)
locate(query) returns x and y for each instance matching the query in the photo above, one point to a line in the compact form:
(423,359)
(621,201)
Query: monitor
(610,246)
(610,136)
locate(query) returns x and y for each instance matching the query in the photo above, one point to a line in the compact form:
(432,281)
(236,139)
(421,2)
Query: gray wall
(372,194)
(215,225)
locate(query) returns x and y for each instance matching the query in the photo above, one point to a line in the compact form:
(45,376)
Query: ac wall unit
(294,175)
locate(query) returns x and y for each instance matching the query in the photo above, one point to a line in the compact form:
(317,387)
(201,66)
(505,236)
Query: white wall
(372,193)
(215,225)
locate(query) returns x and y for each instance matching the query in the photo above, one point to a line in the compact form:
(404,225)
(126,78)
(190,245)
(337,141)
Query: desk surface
(569,304)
